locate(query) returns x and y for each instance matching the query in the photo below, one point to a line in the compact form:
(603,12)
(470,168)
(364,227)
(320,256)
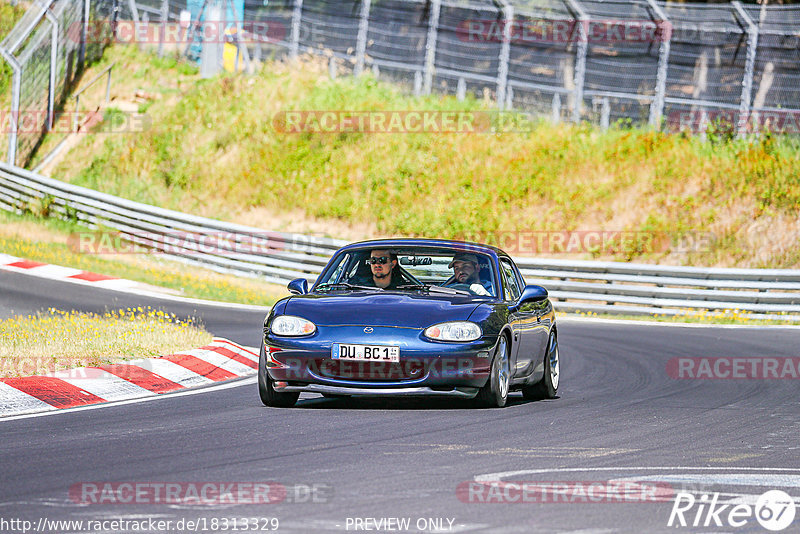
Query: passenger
(466,270)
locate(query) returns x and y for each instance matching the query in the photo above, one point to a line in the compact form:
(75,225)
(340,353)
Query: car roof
(416,241)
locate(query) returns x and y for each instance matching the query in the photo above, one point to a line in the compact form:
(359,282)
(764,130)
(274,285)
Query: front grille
(371,371)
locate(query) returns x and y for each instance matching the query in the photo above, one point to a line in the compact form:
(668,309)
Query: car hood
(412,310)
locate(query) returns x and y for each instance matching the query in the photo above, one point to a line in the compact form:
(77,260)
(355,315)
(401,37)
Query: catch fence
(733,68)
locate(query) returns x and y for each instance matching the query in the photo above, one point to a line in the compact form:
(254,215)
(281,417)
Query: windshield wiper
(432,288)
(343,285)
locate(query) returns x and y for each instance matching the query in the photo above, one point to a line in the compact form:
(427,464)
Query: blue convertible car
(412,317)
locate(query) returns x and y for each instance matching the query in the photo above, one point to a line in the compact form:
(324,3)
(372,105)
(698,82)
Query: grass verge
(85,339)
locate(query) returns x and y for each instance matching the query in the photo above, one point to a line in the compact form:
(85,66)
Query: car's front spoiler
(463,392)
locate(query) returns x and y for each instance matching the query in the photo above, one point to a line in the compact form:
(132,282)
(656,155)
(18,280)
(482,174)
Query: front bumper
(466,393)
(426,368)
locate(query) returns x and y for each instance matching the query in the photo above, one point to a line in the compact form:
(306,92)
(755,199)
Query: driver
(382,263)
(466,270)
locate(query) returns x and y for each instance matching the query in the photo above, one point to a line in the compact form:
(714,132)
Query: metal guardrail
(589,286)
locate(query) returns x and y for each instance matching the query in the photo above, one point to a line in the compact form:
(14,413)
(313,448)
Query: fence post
(162,31)
(665,31)
(580,57)
(13,120)
(505,51)
(297,15)
(430,44)
(749,68)
(361,43)
(84,33)
(51,93)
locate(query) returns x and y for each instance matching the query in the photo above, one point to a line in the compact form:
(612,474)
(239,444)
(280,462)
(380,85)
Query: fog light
(279,385)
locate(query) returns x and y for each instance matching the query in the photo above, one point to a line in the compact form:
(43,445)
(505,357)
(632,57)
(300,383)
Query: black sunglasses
(380,260)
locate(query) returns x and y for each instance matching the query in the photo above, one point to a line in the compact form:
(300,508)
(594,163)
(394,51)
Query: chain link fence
(46,51)
(674,66)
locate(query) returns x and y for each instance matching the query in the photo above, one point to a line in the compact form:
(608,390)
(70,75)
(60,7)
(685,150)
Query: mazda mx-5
(412,318)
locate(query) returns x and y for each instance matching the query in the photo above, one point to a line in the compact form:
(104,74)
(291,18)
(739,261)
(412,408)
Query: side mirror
(533,294)
(298,286)
(530,300)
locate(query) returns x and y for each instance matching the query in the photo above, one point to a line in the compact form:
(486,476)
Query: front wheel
(267,393)
(495,393)
(547,387)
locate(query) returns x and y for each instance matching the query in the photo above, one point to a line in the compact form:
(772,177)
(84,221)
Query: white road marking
(110,388)
(172,371)
(223,362)
(227,385)
(492,477)
(56,271)
(13,400)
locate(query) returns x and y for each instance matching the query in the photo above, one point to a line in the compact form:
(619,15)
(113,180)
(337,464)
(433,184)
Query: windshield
(412,268)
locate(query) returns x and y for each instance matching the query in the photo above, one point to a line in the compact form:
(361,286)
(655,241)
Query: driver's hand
(478,289)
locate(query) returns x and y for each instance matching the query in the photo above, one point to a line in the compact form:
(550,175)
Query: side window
(510,282)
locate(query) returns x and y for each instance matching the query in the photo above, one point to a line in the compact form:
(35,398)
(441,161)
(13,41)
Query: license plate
(365,353)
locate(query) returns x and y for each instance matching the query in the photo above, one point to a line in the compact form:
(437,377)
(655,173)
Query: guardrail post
(505,51)
(297,15)
(664,27)
(749,67)
(361,43)
(605,113)
(580,56)
(430,44)
(556,108)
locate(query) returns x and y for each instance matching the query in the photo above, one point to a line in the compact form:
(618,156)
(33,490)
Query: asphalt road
(346,465)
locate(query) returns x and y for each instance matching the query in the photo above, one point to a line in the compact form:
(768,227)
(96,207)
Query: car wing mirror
(298,286)
(531,296)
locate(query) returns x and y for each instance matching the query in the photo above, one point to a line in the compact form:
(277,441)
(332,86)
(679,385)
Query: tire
(268,395)
(547,387)
(495,393)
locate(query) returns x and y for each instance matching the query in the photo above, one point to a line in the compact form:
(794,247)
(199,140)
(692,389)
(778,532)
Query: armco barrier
(608,287)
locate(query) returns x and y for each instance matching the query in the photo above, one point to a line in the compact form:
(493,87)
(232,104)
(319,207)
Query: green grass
(9,16)
(215,151)
(46,240)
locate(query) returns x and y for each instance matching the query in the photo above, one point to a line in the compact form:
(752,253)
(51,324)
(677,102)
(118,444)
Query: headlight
(289,325)
(455,331)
